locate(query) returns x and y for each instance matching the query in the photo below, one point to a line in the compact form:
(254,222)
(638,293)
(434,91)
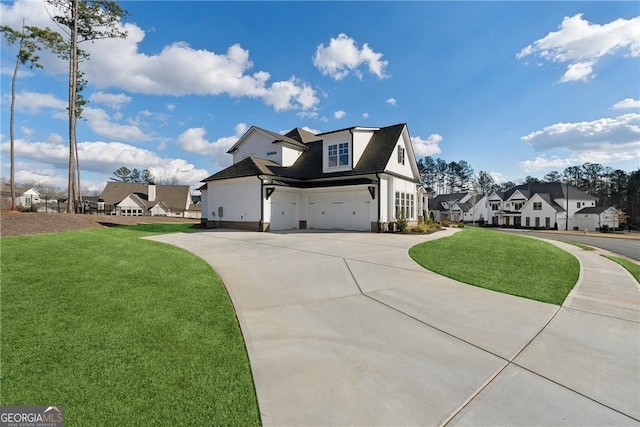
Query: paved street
(346,329)
(623,246)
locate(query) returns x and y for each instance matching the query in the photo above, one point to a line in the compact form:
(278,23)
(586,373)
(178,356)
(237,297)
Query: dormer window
(338,154)
(401,155)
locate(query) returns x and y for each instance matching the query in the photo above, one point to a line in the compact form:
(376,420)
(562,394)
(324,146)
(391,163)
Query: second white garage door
(340,211)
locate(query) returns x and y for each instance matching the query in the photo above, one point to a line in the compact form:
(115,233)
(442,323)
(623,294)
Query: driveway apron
(346,329)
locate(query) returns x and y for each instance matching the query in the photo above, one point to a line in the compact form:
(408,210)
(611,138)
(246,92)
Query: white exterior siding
(545,212)
(289,155)
(336,138)
(258,144)
(394,166)
(361,138)
(204,205)
(239,199)
(384,200)
(405,187)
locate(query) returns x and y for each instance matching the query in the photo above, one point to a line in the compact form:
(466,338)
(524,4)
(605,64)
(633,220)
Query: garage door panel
(340,210)
(284,211)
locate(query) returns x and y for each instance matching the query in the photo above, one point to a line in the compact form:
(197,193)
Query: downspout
(379,202)
(261,222)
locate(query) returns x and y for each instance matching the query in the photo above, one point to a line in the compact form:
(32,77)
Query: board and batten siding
(398,168)
(403,186)
(384,199)
(239,199)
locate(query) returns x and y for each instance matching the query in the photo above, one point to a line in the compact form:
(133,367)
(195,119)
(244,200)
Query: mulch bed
(13,223)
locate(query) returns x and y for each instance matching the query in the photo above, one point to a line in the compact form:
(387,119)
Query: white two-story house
(359,178)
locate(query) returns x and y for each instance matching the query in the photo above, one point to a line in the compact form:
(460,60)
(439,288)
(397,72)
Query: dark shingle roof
(308,166)
(556,190)
(302,135)
(174,196)
(592,210)
(251,166)
(435,203)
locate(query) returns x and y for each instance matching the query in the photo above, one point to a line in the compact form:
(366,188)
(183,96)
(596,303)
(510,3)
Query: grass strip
(631,267)
(502,262)
(121,331)
(579,245)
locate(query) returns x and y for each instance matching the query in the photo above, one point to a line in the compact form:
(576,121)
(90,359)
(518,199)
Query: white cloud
(171,107)
(542,163)
(176,70)
(602,141)
(365,115)
(392,101)
(581,44)
(342,56)
(112,100)
(627,103)
(27,132)
(105,157)
(578,71)
(499,177)
(193,141)
(426,147)
(34,102)
(339,114)
(101,124)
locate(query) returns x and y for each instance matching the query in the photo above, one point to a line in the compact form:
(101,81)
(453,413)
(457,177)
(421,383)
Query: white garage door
(340,211)
(284,211)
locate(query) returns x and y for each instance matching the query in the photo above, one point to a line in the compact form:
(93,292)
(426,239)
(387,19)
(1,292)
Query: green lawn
(631,267)
(502,262)
(120,331)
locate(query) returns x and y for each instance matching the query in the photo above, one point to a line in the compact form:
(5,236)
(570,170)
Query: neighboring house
(26,196)
(597,218)
(467,207)
(137,199)
(548,205)
(359,178)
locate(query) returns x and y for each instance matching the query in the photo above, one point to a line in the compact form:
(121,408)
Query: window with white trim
(537,206)
(404,205)
(338,155)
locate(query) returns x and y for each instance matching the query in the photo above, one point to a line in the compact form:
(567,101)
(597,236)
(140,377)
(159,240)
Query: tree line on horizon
(612,187)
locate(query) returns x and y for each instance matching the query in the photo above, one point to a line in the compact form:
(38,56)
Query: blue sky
(513,88)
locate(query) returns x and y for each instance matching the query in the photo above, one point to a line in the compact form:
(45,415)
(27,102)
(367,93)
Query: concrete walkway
(346,329)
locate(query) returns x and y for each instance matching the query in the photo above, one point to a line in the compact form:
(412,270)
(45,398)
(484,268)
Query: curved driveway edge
(346,329)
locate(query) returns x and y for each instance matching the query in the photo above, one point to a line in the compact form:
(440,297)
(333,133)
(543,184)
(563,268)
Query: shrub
(402,223)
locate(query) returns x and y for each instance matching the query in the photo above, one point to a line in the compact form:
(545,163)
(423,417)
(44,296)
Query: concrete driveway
(346,329)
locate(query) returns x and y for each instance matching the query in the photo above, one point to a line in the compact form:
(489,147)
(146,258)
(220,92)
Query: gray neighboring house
(138,199)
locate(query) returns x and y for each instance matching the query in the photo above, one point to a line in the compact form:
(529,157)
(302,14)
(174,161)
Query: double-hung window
(339,154)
